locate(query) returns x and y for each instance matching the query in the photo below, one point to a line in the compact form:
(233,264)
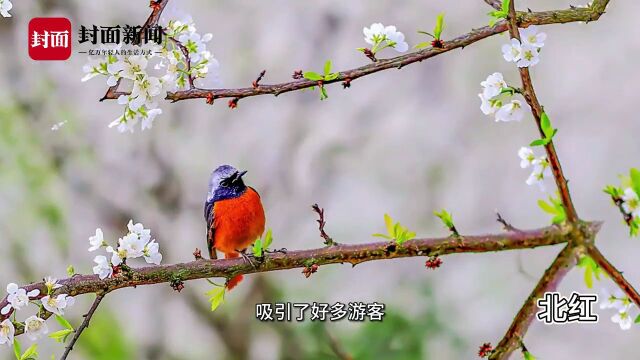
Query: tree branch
(549,282)
(574,14)
(536,109)
(353,254)
(614,273)
(83,326)
(496,4)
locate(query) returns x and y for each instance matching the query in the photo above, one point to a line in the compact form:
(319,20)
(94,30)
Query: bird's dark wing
(209,216)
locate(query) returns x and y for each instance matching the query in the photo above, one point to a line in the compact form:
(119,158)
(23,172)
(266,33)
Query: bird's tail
(236,279)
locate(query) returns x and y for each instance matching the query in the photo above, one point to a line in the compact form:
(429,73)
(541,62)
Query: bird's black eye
(225,182)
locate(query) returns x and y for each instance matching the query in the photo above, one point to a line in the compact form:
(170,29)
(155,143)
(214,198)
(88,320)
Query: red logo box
(50,38)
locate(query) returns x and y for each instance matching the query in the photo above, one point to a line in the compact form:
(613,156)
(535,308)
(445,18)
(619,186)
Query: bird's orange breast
(238,222)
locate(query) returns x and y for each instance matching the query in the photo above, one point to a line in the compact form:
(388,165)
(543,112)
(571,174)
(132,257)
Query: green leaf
(327,67)
(268,239)
(505,6)
(60,335)
(388,222)
(70,270)
(634,174)
(591,270)
(331,77)
(256,249)
(323,93)
(612,190)
(437,31)
(588,277)
(545,124)
(382,236)
(17,349)
(216,297)
(422,45)
(314,76)
(63,322)
(539,142)
(445,217)
(637,320)
(30,353)
(528,356)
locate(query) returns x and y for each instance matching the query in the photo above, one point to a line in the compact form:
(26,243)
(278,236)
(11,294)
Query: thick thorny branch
(353,254)
(614,273)
(532,99)
(573,14)
(549,282)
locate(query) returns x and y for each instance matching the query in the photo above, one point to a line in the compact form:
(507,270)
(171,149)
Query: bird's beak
(241,174)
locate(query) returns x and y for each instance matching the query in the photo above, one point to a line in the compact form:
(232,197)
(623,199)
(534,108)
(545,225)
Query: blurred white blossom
(7,332)
(493,85)
(18,298)
(616,300)
(35,327)
(57,304)
(623,318)
(512,51)
(51,284)
(530,36)
(103,269)
(151,253)
(96,241)
(380,37)
(527,157)
(513,111)
(630,202)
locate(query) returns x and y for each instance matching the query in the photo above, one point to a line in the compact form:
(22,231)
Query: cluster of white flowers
(540,166)
(380,37)
(496,101)
(137,243)
(171,71)
(5,6)
(527,52)
(631,203)
(621,303)
(34,325)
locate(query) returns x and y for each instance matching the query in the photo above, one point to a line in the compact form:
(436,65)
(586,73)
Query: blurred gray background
(404,142)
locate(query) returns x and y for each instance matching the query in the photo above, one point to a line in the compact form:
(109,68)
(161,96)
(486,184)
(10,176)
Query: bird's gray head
(225,183)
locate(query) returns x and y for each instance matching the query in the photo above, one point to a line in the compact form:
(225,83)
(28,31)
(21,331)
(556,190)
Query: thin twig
(536,109)
(591,13)
(549,282)
(496,4)
(321,223)
(614,273)
(505,224)
(336,346)
(83,326)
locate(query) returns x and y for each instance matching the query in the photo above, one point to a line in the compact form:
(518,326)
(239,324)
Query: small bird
(234,214)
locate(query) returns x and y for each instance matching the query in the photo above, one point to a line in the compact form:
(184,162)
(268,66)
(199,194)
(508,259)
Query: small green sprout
(395,231)
(555,208)
(548,131)
(216,296)
(261,245)
(447,220)
(437,33)
(503,13)
(327,76)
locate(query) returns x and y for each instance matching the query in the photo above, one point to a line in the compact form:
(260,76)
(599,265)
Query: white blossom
(51,284)
(541,170)
(493,85)
(103,269)
(528,56)
(7,331)
(630,202)
(151,253)
(129,67)
(530,36)
(96,241)
(623,318)
(527,157)
(387,36)
(512,51)
(18,298)
(35,327)
(513,111)
(489,106)
(5,6)
(616,300)
(139,230)
(57,304)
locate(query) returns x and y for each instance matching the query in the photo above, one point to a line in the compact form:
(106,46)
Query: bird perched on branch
(234,214)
